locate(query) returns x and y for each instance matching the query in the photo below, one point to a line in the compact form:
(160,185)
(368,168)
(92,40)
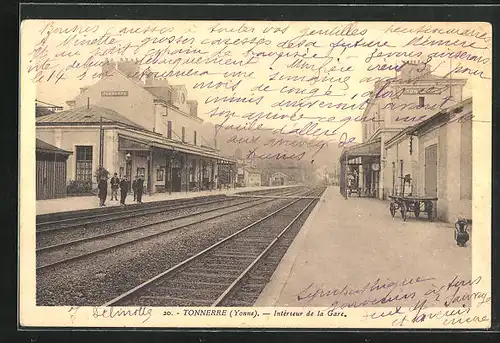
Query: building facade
(135,128)
(443,152)
(411,97)
(279,179)
(252,177)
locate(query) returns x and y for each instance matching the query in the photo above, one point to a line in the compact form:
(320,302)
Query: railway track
(57,254)
(55,238)
(124,213)
(217,275)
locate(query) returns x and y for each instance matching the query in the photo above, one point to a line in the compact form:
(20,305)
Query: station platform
(89,202)
(354,244)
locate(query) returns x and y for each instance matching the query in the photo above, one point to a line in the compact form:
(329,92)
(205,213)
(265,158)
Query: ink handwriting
(297,82)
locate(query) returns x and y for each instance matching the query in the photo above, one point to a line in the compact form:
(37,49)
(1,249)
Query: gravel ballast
(94,281)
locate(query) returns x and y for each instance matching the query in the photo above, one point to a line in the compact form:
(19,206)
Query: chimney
(108,67)
(129,67)
(193,108)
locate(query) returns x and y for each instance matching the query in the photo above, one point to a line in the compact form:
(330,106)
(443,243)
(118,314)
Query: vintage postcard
(255,174)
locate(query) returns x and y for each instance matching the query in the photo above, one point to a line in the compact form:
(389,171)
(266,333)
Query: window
(160,174)
(194,138)
(183,134)
(169,129)
(83,163)
(421,101)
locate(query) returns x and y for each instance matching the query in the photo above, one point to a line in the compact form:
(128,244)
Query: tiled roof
(438,117)
(161,92)
(399,136)
(370,148)
(46,147)
(81,115)
(253,170)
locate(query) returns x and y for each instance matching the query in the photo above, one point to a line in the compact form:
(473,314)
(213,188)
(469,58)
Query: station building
(410,98)
(435,156)
(133,128)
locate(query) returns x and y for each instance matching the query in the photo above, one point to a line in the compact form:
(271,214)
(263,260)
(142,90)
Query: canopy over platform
(126,143)
(356,156)
(367,149)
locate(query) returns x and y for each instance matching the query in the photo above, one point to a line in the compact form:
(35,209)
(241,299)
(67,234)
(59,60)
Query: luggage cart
(413,204)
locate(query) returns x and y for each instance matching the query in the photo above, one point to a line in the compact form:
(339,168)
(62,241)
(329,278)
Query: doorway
(431,171)
(176,179)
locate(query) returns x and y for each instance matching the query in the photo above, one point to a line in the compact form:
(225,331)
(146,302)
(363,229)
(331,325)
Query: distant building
(278,179)
(247,175)
(411,97)
(149,129)
(252,177)
(43,108)
(51,165)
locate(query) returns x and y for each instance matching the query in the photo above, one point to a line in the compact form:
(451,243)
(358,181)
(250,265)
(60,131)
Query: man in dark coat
(123,190)
(102,186)
(139,185)
(134,188)
(115,183)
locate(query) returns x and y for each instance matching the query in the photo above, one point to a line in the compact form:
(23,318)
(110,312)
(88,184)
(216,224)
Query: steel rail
(117,215)
(233,285)
(59,245)
(194,257)
(77,257)
(124,214)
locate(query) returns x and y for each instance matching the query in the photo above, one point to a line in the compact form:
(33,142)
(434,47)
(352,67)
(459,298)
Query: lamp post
(128,158)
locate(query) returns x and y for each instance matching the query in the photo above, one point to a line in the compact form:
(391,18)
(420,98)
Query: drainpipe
(345,177)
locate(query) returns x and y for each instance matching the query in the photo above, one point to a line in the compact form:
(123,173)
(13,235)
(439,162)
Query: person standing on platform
(123,190)
(134,188)
(139,185)
(115,184)
(102,186)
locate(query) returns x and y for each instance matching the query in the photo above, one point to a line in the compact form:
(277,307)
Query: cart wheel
(392,209)
(417,209)
(403,211)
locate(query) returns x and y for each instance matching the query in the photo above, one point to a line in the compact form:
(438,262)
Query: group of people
(123,185)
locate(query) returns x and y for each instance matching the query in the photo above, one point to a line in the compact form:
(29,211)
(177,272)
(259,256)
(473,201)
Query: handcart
(413,204)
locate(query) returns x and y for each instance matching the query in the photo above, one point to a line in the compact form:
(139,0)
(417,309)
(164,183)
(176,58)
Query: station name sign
(426,90)
(114,93)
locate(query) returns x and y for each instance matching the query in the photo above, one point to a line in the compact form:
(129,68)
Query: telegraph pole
(101,143)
